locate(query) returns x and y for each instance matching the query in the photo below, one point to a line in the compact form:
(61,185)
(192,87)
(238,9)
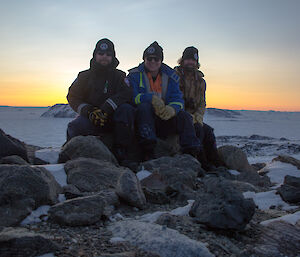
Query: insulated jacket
(170,92)
(99,87)
(193,87)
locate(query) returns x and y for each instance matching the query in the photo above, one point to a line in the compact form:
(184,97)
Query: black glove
(86,110)
(98,117)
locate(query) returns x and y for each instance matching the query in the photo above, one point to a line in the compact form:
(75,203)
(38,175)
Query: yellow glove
(158,104)
(198,118)
(98,117)
(167,113)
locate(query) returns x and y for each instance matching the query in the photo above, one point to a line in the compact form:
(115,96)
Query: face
(152,63)
(189,63)
(103,58)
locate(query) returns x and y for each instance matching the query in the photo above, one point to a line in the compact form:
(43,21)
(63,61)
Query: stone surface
(158,239)
(255,179)
(234,158)
(81,211)
(23,243)
(23,188)
(91,175)
(11,146)
(129,189)
(288,159)
(13,159)
(86,146)
(290,190)
(222,206)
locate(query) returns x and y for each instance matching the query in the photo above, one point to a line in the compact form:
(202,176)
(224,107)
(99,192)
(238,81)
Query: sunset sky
(249,50)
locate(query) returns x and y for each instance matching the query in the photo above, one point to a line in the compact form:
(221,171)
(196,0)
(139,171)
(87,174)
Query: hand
(167,113)
(158,104)
(98,117)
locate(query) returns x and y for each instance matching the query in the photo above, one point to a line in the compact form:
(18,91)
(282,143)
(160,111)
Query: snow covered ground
(279,132)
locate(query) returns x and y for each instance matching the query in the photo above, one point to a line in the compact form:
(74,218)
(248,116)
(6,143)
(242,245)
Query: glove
(167,113)
(198,118)
(85,110)
(158,104)
(98,117)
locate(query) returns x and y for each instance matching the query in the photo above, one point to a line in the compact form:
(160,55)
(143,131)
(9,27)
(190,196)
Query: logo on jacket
(151,50)
(103,46)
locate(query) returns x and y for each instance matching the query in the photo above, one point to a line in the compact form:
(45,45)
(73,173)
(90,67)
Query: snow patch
(35,216)
(143,174)
(234,172)
(289,218)
(58,171)
(265,200)
(49,155)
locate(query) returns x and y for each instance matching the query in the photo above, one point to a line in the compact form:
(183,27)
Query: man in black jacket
(101,96)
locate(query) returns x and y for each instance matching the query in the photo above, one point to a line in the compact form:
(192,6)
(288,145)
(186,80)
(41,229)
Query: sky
(249,50)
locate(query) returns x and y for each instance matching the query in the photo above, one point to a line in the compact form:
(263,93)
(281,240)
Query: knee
(144,107)
(125,108)
(183,115)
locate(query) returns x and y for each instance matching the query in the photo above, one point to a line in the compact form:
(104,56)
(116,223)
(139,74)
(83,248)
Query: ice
(58,171)
(289,218)
(35,215)
(49,155)
(264,200)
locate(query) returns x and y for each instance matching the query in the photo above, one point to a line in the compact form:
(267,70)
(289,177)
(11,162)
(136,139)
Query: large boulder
(222,206)
(81,211)
(88,147)
(13,159)
(290,190)
(252,177)
(234,158)
(23,188)
(22,243)
(11,146)
(91,175)
(158,239)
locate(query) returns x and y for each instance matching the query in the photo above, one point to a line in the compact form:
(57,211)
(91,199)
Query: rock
(13,159)
(129,189)
(23,188)
(288,159)
(59,111)
(234,158)
(91,175)
(71,191)
(255,179)
(223,113)
(11,146)
(124,254)
(222,206)
(258,166)
(290,190)
(47,155)
(81,211)
(21,242)
(244,186)
(86,146)
(278,239)
(158,239)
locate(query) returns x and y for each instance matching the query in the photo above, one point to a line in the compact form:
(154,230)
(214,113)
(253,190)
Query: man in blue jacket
(160,104)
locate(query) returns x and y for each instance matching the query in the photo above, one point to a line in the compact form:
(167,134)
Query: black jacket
(103,88)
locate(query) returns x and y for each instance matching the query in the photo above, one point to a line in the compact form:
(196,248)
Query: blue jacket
(171,93)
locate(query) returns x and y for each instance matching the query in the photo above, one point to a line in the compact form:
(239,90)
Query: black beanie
(154,50)
(105,45)
(190,53)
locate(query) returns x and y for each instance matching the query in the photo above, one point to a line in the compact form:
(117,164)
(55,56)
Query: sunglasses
(150,59)
(103,53)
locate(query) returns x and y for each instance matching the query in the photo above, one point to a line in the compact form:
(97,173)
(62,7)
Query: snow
(143,174)
(49,155)
(58,171)
(47,255)
(278,170)
(264,200)
(289,218)
(35,215)
(234,172)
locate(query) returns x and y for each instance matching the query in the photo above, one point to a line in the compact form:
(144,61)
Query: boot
(204,163)
(122,156)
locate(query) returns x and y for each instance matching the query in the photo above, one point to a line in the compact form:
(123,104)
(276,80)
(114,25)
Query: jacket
(171,93)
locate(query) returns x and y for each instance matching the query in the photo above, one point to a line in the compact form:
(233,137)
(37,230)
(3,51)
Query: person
(159,104)
(193,87)
(101,97)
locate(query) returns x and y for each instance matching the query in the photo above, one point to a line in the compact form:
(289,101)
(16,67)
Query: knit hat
(154,50)
(190,53)
(105,46)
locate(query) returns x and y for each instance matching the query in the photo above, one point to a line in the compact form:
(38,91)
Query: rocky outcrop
(86,146)
(59,111)
(222,206)
(23,188)
(290,190)
(11,146)
(13,159)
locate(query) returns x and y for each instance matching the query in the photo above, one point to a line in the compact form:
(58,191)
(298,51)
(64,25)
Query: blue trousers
(149,126)
(121,125)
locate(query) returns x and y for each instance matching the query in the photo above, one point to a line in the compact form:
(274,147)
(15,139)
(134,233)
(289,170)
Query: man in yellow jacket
(193,87)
